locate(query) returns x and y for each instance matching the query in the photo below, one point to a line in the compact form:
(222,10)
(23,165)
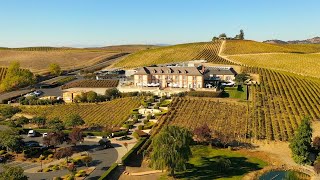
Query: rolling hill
(177,53)
(37,59)
(277,104)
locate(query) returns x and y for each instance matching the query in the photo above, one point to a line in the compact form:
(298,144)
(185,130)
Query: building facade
(174,77)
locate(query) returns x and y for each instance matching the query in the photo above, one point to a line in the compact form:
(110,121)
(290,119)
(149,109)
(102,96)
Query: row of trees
(239,36)
(72,121)
(92,96)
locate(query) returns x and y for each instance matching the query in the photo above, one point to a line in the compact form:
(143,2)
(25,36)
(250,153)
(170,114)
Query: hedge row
(125,159)
(112,168)
(204,94)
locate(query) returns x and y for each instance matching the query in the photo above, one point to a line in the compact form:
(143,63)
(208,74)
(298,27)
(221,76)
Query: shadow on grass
(210,169)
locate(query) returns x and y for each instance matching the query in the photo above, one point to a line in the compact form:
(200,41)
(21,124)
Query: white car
(44,134)
(31,133)
(37,93)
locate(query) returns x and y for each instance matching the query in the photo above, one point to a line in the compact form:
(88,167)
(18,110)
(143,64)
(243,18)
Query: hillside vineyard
(280,102)
(112,113)
(178,53)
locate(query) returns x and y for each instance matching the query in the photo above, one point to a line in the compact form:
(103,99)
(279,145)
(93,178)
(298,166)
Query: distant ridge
(315,40)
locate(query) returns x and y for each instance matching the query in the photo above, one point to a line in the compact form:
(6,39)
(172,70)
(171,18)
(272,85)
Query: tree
(316,143)
(202,134)
(242,77)
(56,125)
(171,149)
(223,35)
(87,160)
(125,144)
(241,35)
(112,93)
(40,121)
(215,38)
(223,164)
(10,139)
(13,173)
(55,69)
(301,143)
(22,120)
(16,77)
(53,139)
(92,96)
(64,153)
(316,166)
(76,136)
(74,120)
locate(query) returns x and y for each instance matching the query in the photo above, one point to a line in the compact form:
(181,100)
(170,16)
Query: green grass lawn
(203,164)
(233,92)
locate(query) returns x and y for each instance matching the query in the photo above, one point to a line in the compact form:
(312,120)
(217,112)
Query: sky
(90,23)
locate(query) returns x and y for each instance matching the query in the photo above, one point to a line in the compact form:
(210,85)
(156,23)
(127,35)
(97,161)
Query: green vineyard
(279,103)
(111,113)
(229,118)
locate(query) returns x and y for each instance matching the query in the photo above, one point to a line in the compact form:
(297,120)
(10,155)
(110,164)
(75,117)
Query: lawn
(234,92)
(203,164)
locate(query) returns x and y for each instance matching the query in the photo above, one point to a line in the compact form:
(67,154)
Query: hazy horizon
(103,23)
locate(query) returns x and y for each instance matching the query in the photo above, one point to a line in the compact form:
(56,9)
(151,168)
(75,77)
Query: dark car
(124,138)
(2,159)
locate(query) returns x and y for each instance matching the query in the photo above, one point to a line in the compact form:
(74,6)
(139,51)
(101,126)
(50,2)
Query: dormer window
(186,71)
(154,71)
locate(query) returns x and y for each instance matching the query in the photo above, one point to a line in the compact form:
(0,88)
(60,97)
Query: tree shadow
(135,160)
(211,169)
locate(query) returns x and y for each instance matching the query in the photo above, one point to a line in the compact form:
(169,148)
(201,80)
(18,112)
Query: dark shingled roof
(192,71)
(219,71)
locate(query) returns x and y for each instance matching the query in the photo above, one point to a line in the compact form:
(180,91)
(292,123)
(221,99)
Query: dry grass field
(38,61)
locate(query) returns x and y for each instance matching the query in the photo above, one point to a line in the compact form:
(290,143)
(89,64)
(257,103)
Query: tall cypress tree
(301,143)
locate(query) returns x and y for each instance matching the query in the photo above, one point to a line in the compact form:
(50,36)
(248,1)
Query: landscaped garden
(212,163)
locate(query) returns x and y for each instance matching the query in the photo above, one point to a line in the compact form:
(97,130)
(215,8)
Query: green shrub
(50,156)
(136,135)
(120,133)
(55,167)
(46,170)
(140,127)
(149,116)
(204,94)
(2,152)
(135,120)
(145,121)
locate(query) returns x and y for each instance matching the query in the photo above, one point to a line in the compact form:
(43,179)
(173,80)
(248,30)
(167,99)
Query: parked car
(32,144)
(44,134)
(37,92)
(124,138)
(104,143)
(31,133)
(3,159)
